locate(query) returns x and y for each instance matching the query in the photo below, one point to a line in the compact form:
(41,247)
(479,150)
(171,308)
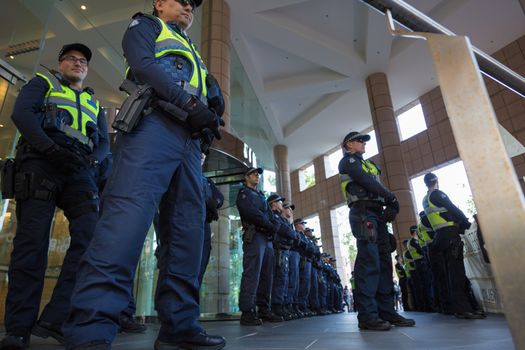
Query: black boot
(249,318)
(399,321)
(201,341)
(375,324)
(15,341)
(130,325)
(45,329)
(268,315)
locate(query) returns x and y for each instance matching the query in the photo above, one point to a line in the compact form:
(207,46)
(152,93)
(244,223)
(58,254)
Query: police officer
(305,267)
(367,198)
(259,231)
(403,282)
(156,167)
(313,297)
(214,201)
(424,275)
(448,222)
(63,137)
(284,240)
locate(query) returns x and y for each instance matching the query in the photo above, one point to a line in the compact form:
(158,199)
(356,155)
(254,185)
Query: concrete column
(394,171)
(216,45)
(282,172)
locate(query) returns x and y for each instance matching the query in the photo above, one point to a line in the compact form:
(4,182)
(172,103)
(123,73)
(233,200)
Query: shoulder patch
(133,23)
(443,195)
(351,160)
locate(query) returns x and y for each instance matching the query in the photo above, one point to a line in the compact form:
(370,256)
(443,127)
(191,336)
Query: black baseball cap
(299,221)
(78,47)
(429,179)
(413,228)
(253,170)
(289,205)
(274,198)
(354,135)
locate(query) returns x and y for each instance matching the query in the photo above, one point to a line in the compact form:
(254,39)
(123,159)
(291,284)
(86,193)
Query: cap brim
(256,170)
(77,47)
(363,137)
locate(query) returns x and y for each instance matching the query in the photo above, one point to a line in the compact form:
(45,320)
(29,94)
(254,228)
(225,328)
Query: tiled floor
(334,332)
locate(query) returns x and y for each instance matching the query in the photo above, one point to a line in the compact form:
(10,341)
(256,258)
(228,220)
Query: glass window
(347,241)
(411,122)
(269,181)
(307,177)
(331,162)
(453,181)
(371,146)
(313,222)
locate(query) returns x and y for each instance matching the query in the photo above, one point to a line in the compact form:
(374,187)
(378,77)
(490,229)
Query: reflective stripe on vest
(66,99)
(423,234)
(345,179)
(169,42)
(413,251)
(433,214)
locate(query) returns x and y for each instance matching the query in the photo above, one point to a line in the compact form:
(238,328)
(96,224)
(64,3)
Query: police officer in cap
(259,230)
(448,222)
(63,138)
(156,167)
(372,205)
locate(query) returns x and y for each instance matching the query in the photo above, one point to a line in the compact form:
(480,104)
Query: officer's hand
(67,161)
(392,201)
(465,225)
(200,118)
(211,210)
(389,214)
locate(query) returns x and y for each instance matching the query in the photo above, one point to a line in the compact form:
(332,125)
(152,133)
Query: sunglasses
(185,3)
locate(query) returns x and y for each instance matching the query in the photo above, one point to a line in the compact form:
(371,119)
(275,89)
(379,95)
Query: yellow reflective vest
(82,107)
(434,212)
(370,168)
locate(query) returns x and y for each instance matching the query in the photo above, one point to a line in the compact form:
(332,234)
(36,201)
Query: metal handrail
(416,21)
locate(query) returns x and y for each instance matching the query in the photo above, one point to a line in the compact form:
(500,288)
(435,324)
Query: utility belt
(142,101)
(53,124)
(250,230)
(372,205)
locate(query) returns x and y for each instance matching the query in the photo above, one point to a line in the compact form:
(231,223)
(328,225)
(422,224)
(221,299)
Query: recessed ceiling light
(83,7)
(12,57)
(1,125)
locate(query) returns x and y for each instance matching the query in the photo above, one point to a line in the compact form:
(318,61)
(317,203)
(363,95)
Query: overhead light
(12,57)
(1,125)
(83,7)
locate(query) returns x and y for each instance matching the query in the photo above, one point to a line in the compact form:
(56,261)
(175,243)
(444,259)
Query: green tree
(471,206)
(349,242)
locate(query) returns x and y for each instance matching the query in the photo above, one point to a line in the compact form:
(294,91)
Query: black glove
(211,210)
(391,201)
(65,160)
(389,214)
(465,225)
(215,97)
(200,118)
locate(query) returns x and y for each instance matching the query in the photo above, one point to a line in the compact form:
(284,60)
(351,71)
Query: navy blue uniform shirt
(253,208)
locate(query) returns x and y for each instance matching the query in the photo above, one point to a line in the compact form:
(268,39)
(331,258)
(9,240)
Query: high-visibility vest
(433,213)
(424,235)
(370,168)
(82,107)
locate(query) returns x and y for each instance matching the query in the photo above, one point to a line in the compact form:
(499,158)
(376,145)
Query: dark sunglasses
(186,3)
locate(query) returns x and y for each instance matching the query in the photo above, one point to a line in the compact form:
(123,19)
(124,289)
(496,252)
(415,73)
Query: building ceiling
(309,60)
(306,60)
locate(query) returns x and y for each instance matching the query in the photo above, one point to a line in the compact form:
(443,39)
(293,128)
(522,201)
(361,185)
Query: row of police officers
(285,276)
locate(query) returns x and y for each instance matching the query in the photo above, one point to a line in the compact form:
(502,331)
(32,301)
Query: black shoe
(14,342)
(45,329)
(130,325)
(249,318)
(201,341)
(376,324)
(468,316)
(399,321)
(95,345)
(268,315)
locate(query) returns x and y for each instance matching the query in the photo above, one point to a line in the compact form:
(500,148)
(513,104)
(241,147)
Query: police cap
(251,170)
(430,179)
(289,205)
(274,198)
(354,135)
(77,47)
(299,221)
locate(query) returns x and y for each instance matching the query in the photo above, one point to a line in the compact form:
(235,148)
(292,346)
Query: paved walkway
(334,332)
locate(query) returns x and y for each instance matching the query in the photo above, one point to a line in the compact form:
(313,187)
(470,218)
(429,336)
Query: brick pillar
(394,173)
(216,47)
(282,172)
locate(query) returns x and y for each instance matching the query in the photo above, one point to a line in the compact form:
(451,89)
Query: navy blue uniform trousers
(157,165)
(374,294)
(31,243)
(257,273)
